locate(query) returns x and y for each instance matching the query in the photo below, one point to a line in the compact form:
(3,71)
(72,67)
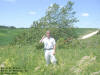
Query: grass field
(8,34)
(81,57)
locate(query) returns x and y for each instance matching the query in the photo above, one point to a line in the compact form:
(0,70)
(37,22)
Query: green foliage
(67,43)
(58,17)
(68,58)
(30,36)
(64,33)
(38,46)
(60,43)
(33,35)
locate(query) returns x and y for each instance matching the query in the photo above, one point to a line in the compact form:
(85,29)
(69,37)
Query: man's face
(48,34)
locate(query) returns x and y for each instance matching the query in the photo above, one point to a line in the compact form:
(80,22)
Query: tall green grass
(33,59)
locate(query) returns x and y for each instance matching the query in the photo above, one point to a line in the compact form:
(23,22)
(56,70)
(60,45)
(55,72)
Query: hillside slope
(8,34)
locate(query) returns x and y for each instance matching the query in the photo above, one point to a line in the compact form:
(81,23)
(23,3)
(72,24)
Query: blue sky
(21,13)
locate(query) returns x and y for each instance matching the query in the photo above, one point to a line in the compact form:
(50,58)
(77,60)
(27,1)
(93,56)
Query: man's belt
(48,49)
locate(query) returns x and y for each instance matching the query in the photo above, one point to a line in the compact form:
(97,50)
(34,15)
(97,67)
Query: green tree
(59,17)
(59,20)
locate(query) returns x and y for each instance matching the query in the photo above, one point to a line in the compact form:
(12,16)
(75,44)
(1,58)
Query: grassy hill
(83,31)
(8,34)
(81,57)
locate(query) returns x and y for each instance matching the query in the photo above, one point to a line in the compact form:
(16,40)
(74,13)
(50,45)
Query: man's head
(48,34)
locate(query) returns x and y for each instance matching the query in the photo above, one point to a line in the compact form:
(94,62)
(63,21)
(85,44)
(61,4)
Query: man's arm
(54,48)
(42,39)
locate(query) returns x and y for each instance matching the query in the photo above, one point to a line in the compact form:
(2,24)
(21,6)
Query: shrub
(38,46)
(33,35)
(60,43)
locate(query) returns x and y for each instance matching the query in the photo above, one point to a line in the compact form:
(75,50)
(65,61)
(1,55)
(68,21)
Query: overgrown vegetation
(69,58)
(11,35)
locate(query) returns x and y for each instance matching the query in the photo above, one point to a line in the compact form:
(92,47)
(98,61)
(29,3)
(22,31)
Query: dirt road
(89,35)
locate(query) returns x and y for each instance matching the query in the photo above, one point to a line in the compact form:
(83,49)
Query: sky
(22,13)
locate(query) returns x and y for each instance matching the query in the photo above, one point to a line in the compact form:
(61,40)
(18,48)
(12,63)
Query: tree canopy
(57,16)
(59,20)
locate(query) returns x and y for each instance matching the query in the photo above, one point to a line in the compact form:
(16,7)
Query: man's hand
(54,52)
(42,38)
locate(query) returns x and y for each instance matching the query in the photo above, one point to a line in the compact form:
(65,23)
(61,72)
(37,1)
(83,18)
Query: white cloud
(85,14)
(9,0)
(32,12)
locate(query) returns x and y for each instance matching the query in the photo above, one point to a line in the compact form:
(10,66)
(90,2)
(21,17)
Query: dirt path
(89,35)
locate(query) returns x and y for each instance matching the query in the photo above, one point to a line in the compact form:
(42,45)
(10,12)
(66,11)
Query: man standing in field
(49,47)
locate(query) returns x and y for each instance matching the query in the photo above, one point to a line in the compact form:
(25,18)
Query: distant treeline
(1,26)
